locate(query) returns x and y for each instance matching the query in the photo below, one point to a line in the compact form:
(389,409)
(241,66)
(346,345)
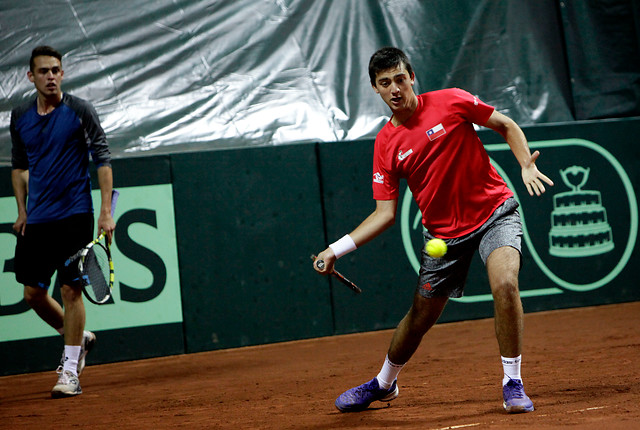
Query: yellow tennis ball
(436,248)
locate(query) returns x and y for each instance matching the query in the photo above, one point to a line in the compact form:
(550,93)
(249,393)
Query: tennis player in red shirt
(430,141)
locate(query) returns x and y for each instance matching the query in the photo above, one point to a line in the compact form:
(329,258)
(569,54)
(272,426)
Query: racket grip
(319,263)
(339,276)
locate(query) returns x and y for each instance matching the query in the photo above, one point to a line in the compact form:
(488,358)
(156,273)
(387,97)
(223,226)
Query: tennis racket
(339,276)
(95,266)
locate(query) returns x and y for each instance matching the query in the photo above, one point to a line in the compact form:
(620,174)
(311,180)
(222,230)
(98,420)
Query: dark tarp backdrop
(191,75)
(603,49)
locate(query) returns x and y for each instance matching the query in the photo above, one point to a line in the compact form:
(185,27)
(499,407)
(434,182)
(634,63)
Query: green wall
(249,221)
(212,248)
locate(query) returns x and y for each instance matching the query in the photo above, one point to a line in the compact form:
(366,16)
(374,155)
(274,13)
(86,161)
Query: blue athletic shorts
(46,246)
(446,276)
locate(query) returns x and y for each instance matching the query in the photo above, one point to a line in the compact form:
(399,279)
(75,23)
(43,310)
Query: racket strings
(96,272)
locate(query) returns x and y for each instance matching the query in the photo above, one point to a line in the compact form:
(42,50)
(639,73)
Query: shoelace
(65,378)
(516,390)
(367,388)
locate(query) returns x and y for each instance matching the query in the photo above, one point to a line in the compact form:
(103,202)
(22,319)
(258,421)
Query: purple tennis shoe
(515,400)
(359,398)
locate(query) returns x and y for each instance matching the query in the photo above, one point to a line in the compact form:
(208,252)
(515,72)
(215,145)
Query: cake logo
(579,226)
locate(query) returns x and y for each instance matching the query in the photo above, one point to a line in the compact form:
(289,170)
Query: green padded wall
(249,221)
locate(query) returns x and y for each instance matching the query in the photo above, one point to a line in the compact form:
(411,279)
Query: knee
(70,294)
(33,295)
(506,285)
(505,291)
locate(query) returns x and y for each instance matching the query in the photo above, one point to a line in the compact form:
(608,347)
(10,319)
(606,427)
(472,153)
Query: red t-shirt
(438,152)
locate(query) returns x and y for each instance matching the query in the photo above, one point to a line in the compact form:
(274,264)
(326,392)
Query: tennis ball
(436,248)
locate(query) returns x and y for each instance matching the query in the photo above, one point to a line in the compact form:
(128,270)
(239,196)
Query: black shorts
(446,276)
(46,246)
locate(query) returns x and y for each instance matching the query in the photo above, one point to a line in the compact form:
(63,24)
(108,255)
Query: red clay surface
(581,368)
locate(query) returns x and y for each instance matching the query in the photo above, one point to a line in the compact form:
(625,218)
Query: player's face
(47,76)
(395,86)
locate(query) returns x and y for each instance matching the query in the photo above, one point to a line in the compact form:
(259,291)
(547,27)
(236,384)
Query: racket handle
(319,263)
(339,276)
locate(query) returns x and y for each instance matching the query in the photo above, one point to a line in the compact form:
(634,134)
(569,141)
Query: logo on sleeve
(378,178)
(436,132)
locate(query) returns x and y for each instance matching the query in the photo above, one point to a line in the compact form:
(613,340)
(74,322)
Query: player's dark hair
(385,59)
(46,51)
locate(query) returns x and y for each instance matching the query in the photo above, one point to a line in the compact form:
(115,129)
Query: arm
(99,149)
(19,174)
(105,220)
(381,219)
(20,182)
(517,141)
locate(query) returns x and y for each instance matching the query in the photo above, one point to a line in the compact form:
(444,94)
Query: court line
(477,424)
(459,426)
(587,409)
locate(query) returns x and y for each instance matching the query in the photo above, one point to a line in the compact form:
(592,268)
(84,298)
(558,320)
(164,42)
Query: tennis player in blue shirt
(53,136)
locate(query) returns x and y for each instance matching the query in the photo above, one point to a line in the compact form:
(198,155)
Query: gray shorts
(446,276)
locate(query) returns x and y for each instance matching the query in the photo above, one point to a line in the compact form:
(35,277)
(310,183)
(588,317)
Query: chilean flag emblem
(436,132)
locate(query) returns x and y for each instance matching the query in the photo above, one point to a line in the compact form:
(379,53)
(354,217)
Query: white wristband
(343,246)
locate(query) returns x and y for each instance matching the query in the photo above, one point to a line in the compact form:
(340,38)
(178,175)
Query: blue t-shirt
(55,149)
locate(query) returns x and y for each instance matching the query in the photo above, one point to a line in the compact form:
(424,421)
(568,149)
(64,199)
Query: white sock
(71,355)
(511,367)
(388,373)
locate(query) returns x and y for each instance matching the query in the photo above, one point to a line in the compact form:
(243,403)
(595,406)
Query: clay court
(581,369)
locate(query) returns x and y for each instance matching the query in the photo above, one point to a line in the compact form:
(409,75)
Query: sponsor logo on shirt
(378,178)
(403,155)
(436,132)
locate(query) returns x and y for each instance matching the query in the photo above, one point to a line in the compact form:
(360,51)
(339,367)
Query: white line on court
(539,416)
(459,426)
(587,409)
